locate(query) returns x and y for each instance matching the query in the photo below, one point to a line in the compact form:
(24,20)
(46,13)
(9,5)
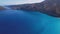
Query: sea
(28,22)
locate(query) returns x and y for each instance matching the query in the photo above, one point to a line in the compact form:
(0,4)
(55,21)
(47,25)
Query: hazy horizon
(10,2)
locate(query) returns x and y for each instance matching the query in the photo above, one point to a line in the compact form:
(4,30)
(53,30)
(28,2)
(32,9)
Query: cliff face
(49,7)
(34,6)
(2,8)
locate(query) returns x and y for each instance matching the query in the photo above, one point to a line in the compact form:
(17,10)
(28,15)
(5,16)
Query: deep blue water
(26,22)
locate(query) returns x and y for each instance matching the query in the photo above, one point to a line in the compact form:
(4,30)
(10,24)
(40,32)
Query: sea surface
(28,22)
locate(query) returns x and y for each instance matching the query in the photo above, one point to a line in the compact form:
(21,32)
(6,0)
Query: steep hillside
(2,8)
(49,7)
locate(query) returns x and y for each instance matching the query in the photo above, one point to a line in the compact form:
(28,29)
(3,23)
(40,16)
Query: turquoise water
(26,22)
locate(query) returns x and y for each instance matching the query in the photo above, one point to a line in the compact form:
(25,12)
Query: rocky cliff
(49,7)
(2,8)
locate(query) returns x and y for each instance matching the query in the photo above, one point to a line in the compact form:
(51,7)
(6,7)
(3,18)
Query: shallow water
(26,22)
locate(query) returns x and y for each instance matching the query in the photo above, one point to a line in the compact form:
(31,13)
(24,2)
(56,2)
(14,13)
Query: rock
(2,8)
(49,7)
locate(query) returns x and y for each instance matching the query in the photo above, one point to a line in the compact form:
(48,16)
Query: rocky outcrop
(2,8)
(49,7)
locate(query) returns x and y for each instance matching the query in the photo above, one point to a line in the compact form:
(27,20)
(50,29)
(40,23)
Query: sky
(13,2)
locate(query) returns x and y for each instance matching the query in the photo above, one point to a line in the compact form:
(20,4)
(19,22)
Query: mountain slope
(49,7)
(2,8)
